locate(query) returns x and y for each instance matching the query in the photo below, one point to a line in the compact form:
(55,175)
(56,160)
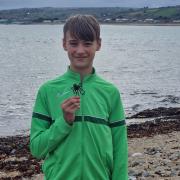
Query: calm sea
(143,62)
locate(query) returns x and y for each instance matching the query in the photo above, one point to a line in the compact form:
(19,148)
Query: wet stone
(152,150)
(175,156)
(135,164)
(145,174)
(135,173)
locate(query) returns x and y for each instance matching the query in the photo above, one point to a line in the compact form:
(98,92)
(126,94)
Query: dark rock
(157,112)
(151,128)
(171,99)
(18,147)
(136,107)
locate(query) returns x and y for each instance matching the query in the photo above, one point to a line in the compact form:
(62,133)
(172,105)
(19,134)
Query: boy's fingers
(69,112)
(69,106)
(70,102)
(72,98)
(72,107)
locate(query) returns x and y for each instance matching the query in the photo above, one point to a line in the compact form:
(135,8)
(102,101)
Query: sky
(15,4)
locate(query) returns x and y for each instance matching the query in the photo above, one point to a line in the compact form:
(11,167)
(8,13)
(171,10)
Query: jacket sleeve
(45,135)
(119,139)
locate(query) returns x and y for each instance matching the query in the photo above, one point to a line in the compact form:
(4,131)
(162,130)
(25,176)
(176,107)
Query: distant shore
(108,15)
(117,24)
(142,24)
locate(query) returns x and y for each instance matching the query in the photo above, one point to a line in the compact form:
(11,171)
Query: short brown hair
(83,27)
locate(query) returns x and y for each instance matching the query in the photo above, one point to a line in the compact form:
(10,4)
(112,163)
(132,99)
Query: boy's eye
(88,43)
(73,43)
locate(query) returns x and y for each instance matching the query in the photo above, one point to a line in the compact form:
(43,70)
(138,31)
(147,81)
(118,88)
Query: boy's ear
(98,44)
(64,44)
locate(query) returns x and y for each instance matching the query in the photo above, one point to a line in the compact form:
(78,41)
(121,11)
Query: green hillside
(104,15)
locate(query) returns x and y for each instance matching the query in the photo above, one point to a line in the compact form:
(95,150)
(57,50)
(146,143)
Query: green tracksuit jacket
(95,146)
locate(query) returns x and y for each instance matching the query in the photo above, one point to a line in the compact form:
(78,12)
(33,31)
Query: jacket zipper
(82,170)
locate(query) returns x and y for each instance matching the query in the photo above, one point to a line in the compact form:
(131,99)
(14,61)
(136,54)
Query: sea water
(142,61)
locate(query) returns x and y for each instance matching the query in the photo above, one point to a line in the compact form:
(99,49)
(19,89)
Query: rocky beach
(154,149)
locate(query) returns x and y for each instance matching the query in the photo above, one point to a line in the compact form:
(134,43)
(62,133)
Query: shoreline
(111,23)
(148,115)
(146,141)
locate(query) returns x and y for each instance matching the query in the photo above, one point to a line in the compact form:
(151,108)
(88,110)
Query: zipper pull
(78,89)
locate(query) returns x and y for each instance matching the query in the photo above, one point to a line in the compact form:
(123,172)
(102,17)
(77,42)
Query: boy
(78,122)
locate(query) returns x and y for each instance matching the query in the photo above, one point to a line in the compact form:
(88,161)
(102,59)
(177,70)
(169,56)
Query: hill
(104,15)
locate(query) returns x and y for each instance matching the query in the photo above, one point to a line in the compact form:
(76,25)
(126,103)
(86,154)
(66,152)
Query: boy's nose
(80,49)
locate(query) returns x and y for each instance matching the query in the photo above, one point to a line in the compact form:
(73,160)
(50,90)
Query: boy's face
(81,53)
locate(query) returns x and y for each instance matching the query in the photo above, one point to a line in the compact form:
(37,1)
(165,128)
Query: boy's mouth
(80,58)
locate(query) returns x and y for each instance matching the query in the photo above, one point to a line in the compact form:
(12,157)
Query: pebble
(137,154)
(174,156)
(152,150)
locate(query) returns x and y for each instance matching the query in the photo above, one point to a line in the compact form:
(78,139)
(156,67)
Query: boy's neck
(82,72)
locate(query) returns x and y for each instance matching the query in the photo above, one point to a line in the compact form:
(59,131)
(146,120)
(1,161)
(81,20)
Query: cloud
(8,4)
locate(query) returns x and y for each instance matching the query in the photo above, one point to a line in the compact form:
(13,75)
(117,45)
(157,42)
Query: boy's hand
(69,106)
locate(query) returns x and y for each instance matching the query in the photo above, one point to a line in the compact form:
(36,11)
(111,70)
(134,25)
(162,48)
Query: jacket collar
(76,76)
